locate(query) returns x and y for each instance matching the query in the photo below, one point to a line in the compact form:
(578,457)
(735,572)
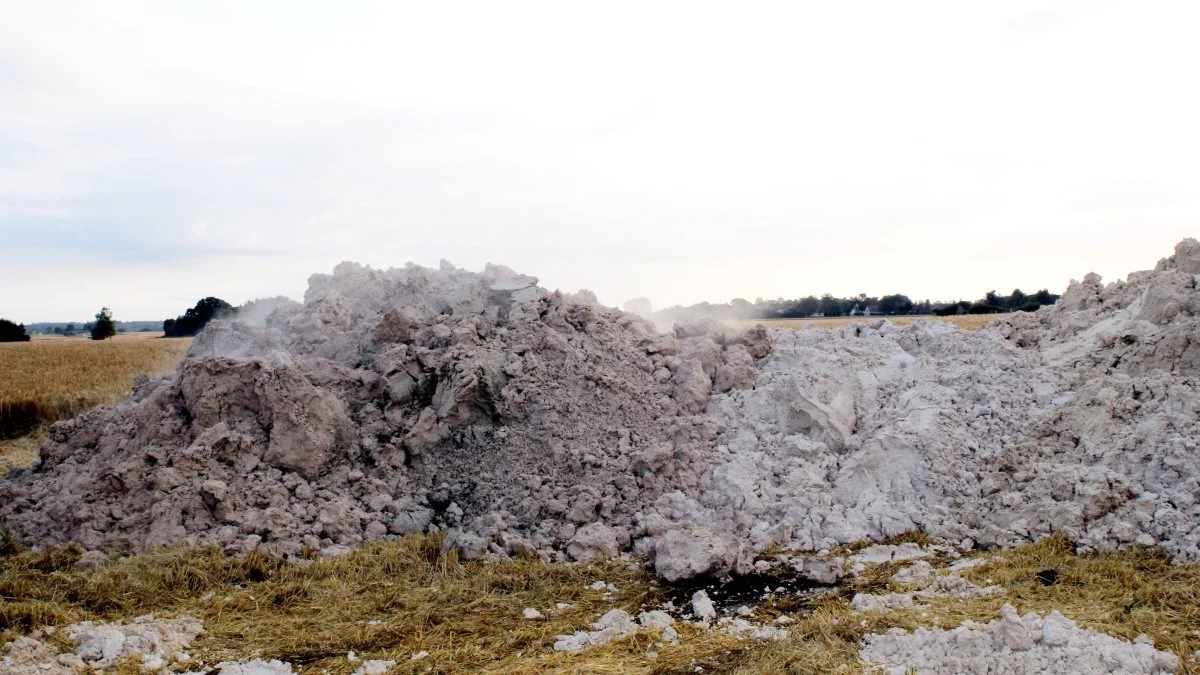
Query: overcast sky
(152,153)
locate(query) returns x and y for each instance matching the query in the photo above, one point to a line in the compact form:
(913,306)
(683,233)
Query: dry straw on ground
(395,600)
(22,451)
(52,379)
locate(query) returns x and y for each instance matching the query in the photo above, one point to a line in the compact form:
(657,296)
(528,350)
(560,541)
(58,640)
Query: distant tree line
(12,332)
(102,328)
(196,318)
(991,303)
(859,305)
(188,324)
(68,329)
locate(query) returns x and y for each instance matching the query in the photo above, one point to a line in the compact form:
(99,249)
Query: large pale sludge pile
(516,418)
(389,403)
(1083,417)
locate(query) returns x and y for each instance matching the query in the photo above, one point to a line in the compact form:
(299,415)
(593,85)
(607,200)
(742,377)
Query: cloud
(672,150)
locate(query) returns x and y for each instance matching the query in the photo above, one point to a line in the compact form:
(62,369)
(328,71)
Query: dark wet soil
(784,589)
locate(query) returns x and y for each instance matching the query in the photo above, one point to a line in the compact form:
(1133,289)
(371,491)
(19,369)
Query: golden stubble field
(56,378)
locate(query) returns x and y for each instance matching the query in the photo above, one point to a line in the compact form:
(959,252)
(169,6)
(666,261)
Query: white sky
(152,153)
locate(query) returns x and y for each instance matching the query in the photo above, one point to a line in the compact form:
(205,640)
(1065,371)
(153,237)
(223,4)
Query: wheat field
(52,379)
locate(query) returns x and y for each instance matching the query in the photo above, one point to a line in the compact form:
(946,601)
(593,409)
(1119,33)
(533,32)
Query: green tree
(12,332)
(741,308)
(1017,300)
(195,319)
(895,304)
(808,306)
(831,306)
(1045,297)
(104,327)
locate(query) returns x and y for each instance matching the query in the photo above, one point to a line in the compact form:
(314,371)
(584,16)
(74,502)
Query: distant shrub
(983,308)
(104,326)
(953,309)
(12,332)
(195,319)
(993,303)
(895,304)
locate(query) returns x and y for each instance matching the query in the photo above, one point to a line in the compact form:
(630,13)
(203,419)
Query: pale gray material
(517,419)
(1081,418)
(395,402)
(159,643)
(1012,644)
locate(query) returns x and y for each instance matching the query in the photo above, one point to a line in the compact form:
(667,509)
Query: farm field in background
(55,378)
(82,336)
(964,321)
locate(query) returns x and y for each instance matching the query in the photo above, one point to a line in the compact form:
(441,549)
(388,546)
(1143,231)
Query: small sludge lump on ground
(1013,644)
(519,420)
